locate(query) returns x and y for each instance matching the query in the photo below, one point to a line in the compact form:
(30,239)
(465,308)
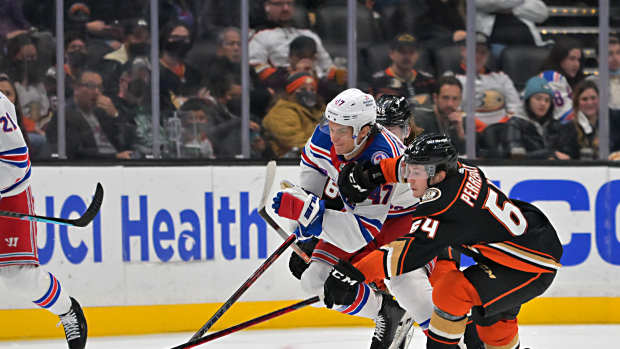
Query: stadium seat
(491,142)
(332,24)
(447,59)
(522,62)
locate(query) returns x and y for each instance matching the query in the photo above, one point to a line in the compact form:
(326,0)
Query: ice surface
(534,337)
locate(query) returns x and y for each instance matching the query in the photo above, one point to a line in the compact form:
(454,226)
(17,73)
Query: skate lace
(71,325)
(380,325)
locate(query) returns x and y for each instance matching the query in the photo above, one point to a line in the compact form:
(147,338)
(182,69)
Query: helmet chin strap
(356,146)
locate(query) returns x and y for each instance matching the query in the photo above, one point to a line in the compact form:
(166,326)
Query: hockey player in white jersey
(19,261)
(348,133)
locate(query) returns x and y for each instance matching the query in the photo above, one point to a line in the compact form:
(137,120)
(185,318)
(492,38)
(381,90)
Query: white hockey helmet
(352,107)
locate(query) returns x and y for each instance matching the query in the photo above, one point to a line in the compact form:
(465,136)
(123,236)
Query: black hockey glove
(296,264)
(341,286)
(357,180)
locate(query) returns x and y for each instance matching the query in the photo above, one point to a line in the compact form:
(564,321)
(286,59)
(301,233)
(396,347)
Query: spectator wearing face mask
(293,118)
(135,45)
(76,57)
(178,80)
(25,70)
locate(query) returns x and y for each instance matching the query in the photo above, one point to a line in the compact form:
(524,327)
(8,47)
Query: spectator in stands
(178,80)
(224,113)
(532,132)
(269,45)
(614,74)
(76,57)
(563,70)
(435,24)
(227,60)
(581,141)
(302,58)
(496,96)
(508,22)
(293,118)
(302,55)
(32,130)
(400,78)
(227,55)
(135,44)
(27,75)
(93,123)
(446,115)
(133,101)
(195,124)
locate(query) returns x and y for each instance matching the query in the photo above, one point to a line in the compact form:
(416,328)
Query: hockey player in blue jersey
(347,133)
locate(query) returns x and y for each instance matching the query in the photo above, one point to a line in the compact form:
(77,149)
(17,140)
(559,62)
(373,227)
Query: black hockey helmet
(435,151)
(392,110)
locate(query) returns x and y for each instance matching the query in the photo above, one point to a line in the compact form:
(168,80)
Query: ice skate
(404,333)
(74,324)
(386,323)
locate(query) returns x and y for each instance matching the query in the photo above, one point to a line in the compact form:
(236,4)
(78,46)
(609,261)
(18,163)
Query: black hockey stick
(270,177)
(218,314)
(83,221)
(248,323)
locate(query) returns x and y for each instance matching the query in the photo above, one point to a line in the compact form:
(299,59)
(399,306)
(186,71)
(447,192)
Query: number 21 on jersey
(6,123)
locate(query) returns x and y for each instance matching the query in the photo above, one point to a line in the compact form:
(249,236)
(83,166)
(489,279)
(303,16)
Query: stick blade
(92,210)
(270,176)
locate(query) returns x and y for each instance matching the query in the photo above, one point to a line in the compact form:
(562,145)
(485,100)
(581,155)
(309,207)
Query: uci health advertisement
(182,235)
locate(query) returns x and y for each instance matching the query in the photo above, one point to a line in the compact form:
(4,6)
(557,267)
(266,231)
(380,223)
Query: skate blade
(403,333)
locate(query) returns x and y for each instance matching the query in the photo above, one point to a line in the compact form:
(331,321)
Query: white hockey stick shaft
(270,176)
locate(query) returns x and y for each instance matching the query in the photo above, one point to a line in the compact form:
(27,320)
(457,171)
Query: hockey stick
(270,177)
(218,314)
(83,221)
(248,323)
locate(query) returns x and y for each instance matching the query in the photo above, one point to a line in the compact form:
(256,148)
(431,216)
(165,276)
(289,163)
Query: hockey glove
(357,180)
(296,264)
(306,209)
(341,286)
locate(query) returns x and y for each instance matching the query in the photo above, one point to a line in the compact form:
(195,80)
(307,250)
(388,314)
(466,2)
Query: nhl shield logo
(431,194)
(378,156)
